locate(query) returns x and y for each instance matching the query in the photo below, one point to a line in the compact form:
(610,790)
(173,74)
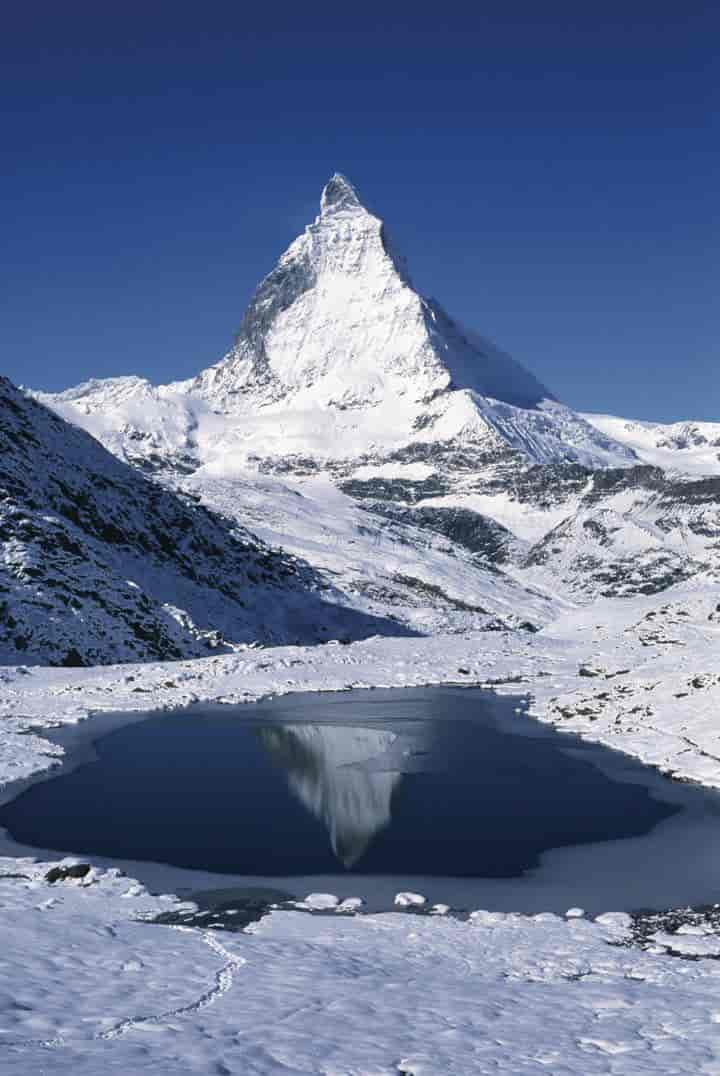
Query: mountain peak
(338,194)
(340,344)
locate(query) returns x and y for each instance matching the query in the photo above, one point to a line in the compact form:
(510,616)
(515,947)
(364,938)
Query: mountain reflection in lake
(427,782)
(335,773)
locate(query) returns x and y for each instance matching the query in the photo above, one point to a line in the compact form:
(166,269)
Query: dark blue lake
(428,783)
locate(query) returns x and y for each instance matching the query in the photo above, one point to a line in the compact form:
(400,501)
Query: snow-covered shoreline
(636,675)
(93,987)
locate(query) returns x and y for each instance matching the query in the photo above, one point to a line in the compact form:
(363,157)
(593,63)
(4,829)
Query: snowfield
(95,990)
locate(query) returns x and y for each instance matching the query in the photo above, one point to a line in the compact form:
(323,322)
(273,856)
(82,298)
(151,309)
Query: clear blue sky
(550,170)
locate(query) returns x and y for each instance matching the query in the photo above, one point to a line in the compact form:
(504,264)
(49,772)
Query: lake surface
(368,791)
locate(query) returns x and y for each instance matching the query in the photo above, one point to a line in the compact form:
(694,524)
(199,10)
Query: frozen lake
(447,791)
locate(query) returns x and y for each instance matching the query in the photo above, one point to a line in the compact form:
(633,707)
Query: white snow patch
(410,900)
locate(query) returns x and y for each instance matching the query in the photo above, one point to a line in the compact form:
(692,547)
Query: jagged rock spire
(339,194)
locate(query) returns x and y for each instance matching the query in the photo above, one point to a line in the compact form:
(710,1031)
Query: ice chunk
(319,901)
(408,900)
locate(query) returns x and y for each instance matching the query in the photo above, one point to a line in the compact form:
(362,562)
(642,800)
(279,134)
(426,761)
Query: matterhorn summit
(339,325)
(340,359)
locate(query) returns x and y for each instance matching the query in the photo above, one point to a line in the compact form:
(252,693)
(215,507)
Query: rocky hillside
(98,564)
(567,530)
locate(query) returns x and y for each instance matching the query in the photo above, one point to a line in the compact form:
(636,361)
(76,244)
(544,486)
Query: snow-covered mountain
(99,564)
(426,475)
(568,531)
(338,360)
(690,447)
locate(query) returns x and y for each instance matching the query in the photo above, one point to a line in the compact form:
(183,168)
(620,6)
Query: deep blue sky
(551,172)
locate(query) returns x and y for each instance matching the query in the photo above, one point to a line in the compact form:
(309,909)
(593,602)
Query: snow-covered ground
(90,989)
(691,447)
(381,567)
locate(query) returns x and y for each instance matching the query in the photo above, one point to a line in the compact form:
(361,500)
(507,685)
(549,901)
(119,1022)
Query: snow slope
(635,531)
(427,573)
